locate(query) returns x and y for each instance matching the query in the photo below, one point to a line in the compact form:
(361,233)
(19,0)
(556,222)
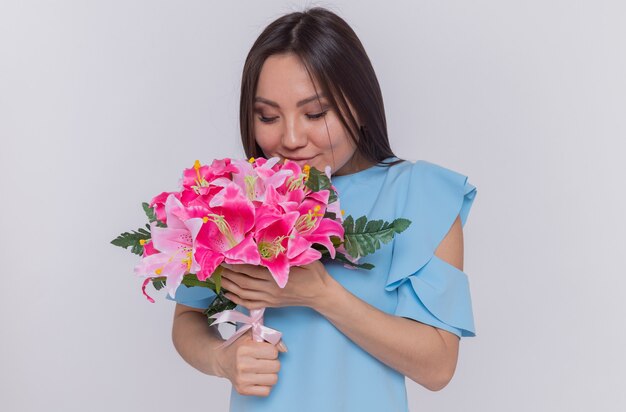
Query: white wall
(102,104)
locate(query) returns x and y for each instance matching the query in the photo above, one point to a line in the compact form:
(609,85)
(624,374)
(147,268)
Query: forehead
(285,80)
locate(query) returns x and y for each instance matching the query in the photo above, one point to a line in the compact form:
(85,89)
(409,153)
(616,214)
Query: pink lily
(175,246)
(312,225)
(201,183)
(158,203)
(255,178)
(272,239)
(226,234)
(200,176)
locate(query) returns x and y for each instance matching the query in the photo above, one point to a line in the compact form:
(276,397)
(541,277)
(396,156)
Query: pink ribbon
(254,321)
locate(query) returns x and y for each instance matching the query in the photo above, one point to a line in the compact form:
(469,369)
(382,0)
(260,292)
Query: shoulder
(437,200)
(424,170)
(431,183)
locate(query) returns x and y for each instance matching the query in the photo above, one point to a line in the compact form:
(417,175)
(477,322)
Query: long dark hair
(328,48)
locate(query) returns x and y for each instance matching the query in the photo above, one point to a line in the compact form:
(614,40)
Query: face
(291,123)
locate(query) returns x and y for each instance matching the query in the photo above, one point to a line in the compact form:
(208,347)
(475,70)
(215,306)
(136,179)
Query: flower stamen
(250,183)
(270,250)
(200,181)
(223,227)
(306,222)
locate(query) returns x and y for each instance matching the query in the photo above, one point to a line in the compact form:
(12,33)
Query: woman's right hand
(252,367)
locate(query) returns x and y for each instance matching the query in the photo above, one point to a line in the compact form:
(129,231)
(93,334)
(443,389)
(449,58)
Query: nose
(294,136)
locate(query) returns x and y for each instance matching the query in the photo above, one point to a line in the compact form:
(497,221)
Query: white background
(103,103)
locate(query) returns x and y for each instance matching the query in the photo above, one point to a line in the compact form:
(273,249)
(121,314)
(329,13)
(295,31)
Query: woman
(310,94)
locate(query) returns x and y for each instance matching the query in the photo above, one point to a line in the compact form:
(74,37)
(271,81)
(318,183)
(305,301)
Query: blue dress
(326,371)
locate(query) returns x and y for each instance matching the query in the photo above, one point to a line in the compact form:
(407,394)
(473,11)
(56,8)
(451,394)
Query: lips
(301,161)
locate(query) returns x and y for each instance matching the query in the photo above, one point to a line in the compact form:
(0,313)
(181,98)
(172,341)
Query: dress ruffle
(431,290)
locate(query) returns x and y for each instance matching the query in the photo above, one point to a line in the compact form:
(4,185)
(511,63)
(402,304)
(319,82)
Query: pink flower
(174,244)
(226,234)
(201,183)
(158,203)
(311,227)
(201,176)
(148,249)
(272,240)
(254,178)
(257,212)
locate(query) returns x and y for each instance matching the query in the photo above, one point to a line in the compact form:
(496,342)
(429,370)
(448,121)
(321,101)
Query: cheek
(339,137)
(266,138)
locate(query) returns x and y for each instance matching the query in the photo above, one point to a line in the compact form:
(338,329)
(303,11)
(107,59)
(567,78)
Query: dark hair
(328,48)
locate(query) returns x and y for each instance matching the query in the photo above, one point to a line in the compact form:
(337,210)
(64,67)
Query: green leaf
(401,224)
(191,279)
(319,181)
(348,224)
(359,225)
(365,237)
(217,278)
(132,240)
(159,283)
(330,215)
(332,197)
(149,212)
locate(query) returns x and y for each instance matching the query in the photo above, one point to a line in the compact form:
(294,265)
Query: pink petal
(147,265)
(329,227)
(306,257)
(193,226)
(236,208)
(169,240)
(280,227)
(172,203)
(208,261)
(279,268)
(324,241)
(246,252)
(210,237)
(174,271)
(143,289)
(149,249)
(296,245)
(320,196)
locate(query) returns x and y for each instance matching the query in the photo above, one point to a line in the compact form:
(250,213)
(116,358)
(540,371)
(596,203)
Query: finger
(264,366)
(246,282)
(254,271)
(258,390)
(264,350)
(265,379)
(246,303)
(251,295)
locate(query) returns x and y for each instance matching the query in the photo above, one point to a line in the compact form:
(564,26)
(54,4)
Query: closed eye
(310,116)
(318,115)
(267,119)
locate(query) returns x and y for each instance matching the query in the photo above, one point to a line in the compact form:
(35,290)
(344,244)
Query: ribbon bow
(254,321)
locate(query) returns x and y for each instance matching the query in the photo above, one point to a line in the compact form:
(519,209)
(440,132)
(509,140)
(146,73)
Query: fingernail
(282,346)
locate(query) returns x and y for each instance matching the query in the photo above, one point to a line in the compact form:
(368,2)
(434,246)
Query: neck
(355,164)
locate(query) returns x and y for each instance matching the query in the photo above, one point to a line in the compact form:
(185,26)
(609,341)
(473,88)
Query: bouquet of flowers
(256,211)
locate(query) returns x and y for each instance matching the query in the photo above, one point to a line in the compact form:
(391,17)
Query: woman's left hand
(255,288)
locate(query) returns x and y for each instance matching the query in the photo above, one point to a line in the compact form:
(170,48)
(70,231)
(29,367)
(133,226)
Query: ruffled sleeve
(195,296)
(431,290)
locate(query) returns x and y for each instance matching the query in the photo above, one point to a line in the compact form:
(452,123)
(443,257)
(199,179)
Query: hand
(251,367)
(255,288)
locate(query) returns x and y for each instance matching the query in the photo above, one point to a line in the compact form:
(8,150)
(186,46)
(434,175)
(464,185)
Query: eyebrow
(300,103)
